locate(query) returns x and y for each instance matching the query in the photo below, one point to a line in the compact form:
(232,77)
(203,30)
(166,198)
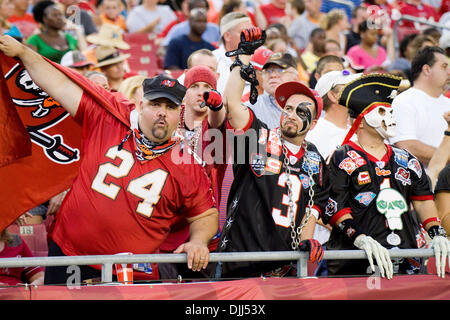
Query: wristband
(348,227)
(216,108)
(431,220)
(437,231)
(447,133)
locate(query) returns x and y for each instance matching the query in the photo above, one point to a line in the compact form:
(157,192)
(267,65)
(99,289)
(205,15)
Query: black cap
(163,86)
(284,60)
(368,90)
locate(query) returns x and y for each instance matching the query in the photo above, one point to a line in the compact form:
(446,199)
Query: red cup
(124,272)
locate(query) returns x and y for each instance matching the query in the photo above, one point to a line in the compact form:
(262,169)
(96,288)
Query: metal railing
(107,261)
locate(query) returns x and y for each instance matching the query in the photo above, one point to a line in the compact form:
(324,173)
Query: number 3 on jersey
(147,187)
(296,185)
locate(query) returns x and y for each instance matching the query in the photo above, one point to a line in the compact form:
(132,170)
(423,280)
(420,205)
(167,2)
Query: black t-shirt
(371,190)
(257,208)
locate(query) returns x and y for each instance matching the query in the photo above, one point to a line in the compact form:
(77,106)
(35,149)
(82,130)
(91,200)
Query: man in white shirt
(419,110)
(150,17)
(231,26)
(332,128)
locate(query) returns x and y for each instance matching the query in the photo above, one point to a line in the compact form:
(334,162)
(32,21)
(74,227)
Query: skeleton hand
(381,254)
(441,248)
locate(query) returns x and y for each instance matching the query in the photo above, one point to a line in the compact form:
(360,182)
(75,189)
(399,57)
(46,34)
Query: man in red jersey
(128,191)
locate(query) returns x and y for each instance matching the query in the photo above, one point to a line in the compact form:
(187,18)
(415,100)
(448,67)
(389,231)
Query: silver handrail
(107,261)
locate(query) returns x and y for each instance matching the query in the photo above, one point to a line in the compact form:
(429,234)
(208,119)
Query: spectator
(359,14)
(13,246)
(257,218)
(374,185)
(274,11)
(76,61)
(433,33)
(132,88)
(52,42)
(231,26)
(111,13)
(440,156)
(6,11)
(80,16)
(23,20)
(420,42)
(300,29)
(200,114)
(444,43)
(149,17)
(112,63)
(336,26)
(294,9)
(406,54)
(203,57)
(332,128)
(417,8)
(420,126)
(442,197)
(181,47)
(145,135)
(255,15)
(278,69)
(315,50)
(332,48)
(368,53)
(278,32)
(98,78)
(211,33)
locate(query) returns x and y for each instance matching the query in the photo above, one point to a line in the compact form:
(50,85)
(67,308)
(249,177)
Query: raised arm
(46,76)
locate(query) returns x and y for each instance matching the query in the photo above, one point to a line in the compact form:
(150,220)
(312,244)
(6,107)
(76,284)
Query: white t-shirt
(139,17)
(327,137)
(419,116)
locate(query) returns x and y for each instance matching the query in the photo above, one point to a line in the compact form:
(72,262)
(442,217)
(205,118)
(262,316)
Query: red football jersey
(118,203)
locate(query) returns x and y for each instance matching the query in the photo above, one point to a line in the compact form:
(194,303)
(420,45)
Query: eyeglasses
(276,71)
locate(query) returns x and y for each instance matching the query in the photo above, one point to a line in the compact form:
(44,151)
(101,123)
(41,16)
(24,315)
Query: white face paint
(382,119)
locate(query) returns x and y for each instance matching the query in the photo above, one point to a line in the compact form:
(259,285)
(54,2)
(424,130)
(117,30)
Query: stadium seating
(35,236)
(144,58)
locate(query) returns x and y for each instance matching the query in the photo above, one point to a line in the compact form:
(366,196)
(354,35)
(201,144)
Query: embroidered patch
(401,157)
(364,178)
(312,159)
(356,157)
(365,198)
(414,165)
(274,143)
(382,172)
(273,165)
(306,181)
(403,176)
(262,136)
(348,165)
(258,164)
(331,207)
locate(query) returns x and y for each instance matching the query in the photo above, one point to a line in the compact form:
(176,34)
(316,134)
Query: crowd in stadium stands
(119,43)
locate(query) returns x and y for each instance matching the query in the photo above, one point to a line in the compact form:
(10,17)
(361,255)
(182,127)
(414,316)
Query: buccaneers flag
(39,143)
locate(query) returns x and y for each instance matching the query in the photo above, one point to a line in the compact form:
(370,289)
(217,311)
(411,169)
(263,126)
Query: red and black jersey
(357,181)
(258,202)
(118,203)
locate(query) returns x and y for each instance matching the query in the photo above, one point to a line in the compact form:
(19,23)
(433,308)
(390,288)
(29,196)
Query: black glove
(213,100)
(251,39)
(313,247)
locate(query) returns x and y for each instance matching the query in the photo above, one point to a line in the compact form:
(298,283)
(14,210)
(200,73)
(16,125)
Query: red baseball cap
(259,58)
(287,89)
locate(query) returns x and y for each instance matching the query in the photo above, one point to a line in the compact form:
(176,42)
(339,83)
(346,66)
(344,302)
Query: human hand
(213,100)
(22,220)
(251,39)
(197,254)
(447,118)
(11,47)
(441,247)
(381,254)
(55,203)
(313,247)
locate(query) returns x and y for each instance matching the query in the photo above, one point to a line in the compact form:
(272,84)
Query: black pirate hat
(366,93)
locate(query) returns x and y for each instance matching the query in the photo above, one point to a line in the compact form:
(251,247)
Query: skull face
(27,84)
(382,119)
(392,204)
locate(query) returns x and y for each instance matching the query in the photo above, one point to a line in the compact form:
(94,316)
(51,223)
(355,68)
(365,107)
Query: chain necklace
(193,142)
(297,231)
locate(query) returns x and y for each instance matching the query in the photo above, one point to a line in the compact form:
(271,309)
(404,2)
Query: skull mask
(382,115)
(392,204)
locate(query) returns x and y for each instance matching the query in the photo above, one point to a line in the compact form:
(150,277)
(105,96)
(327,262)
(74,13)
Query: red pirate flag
(29,114)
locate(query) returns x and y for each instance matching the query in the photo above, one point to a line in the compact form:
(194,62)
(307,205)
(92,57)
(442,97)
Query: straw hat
(107,55)
(109,35)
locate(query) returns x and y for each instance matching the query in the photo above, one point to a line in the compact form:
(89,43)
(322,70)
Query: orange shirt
(119,21)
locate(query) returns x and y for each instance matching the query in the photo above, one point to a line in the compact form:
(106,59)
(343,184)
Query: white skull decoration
(392,204)
(379,116)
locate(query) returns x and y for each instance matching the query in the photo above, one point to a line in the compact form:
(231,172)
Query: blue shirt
(267,110)
(179,50)
(211,34)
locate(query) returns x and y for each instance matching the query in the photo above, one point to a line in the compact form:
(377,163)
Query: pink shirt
(362,58)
